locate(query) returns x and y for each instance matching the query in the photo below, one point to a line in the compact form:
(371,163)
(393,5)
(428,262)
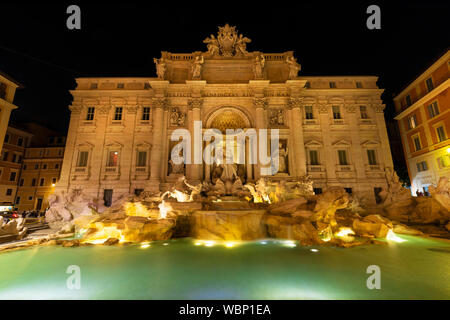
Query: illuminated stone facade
(331,128)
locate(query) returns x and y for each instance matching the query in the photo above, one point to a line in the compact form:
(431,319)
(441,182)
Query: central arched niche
(228,118)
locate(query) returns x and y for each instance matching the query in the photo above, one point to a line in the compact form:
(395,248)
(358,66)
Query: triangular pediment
(370,143)
(314,143)
(342,143)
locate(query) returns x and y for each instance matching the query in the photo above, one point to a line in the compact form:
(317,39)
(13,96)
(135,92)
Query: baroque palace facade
(331,128)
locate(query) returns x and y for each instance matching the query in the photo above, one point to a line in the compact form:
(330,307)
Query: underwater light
(391,236)
(289,243)
(145,245)
(315,250)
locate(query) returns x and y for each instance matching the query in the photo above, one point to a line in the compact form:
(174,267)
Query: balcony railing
(315,168)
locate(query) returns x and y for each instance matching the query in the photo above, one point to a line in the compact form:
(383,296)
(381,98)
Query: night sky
(38,50)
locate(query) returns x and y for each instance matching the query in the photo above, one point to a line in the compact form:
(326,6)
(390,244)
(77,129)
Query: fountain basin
(178,269)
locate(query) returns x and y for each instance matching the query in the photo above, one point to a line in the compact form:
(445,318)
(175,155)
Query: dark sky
(39,51)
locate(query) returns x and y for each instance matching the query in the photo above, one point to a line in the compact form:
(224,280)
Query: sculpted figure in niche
(213,45)
(197,67)
(241,45)
(259,66)
(177,168)
(160,68)
(294,67)
(282,159)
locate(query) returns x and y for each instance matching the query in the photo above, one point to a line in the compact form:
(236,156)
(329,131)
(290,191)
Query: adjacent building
(330,127)
(11,158)
(423,114)
(8,88)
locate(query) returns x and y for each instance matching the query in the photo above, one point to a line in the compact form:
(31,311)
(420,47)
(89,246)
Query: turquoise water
(178,269)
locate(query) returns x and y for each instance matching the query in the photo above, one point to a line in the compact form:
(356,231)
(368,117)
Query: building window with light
(146,113)
(433,109)
(118,114)
(82,158)
(90,114)
(113,159)
(309,112)
(441,133)
(336,112)
(412,122)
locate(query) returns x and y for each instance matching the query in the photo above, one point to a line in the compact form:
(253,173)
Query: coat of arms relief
(227,43)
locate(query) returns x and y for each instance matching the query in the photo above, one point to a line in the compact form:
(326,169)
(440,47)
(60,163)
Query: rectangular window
(8,192)
(5,156)
(309,112)
(19,159)
(317,190)
(332,84)
(141,159)
(118,114)
(14,157)
(20,141)
(441,133)
(430,85)
(120,85)
(53,180)
(90,114)
(41,183)
(82,159)
(12,176)
(21,182)
(371,156)
(342,157)
(94,86)
(336,112)
(308,85)
(433,109)
(6,138)
(408,100)
(348,190)
(412,122)
(113,159)
(56,166)
(363,112)
(422,166)
(417,144)
(44,166)
(146,113)
(36,166)
(358,85)
(313,157)
(17,200)
(33,182)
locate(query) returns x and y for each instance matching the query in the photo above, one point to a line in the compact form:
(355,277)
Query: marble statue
(197,67)
(212,45)
(294,67)
(258,68)
(241,45)
(160,68)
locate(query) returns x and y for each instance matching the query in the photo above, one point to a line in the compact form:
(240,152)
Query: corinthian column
(260,123)
(159,105)
(194,105)
(297,134)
